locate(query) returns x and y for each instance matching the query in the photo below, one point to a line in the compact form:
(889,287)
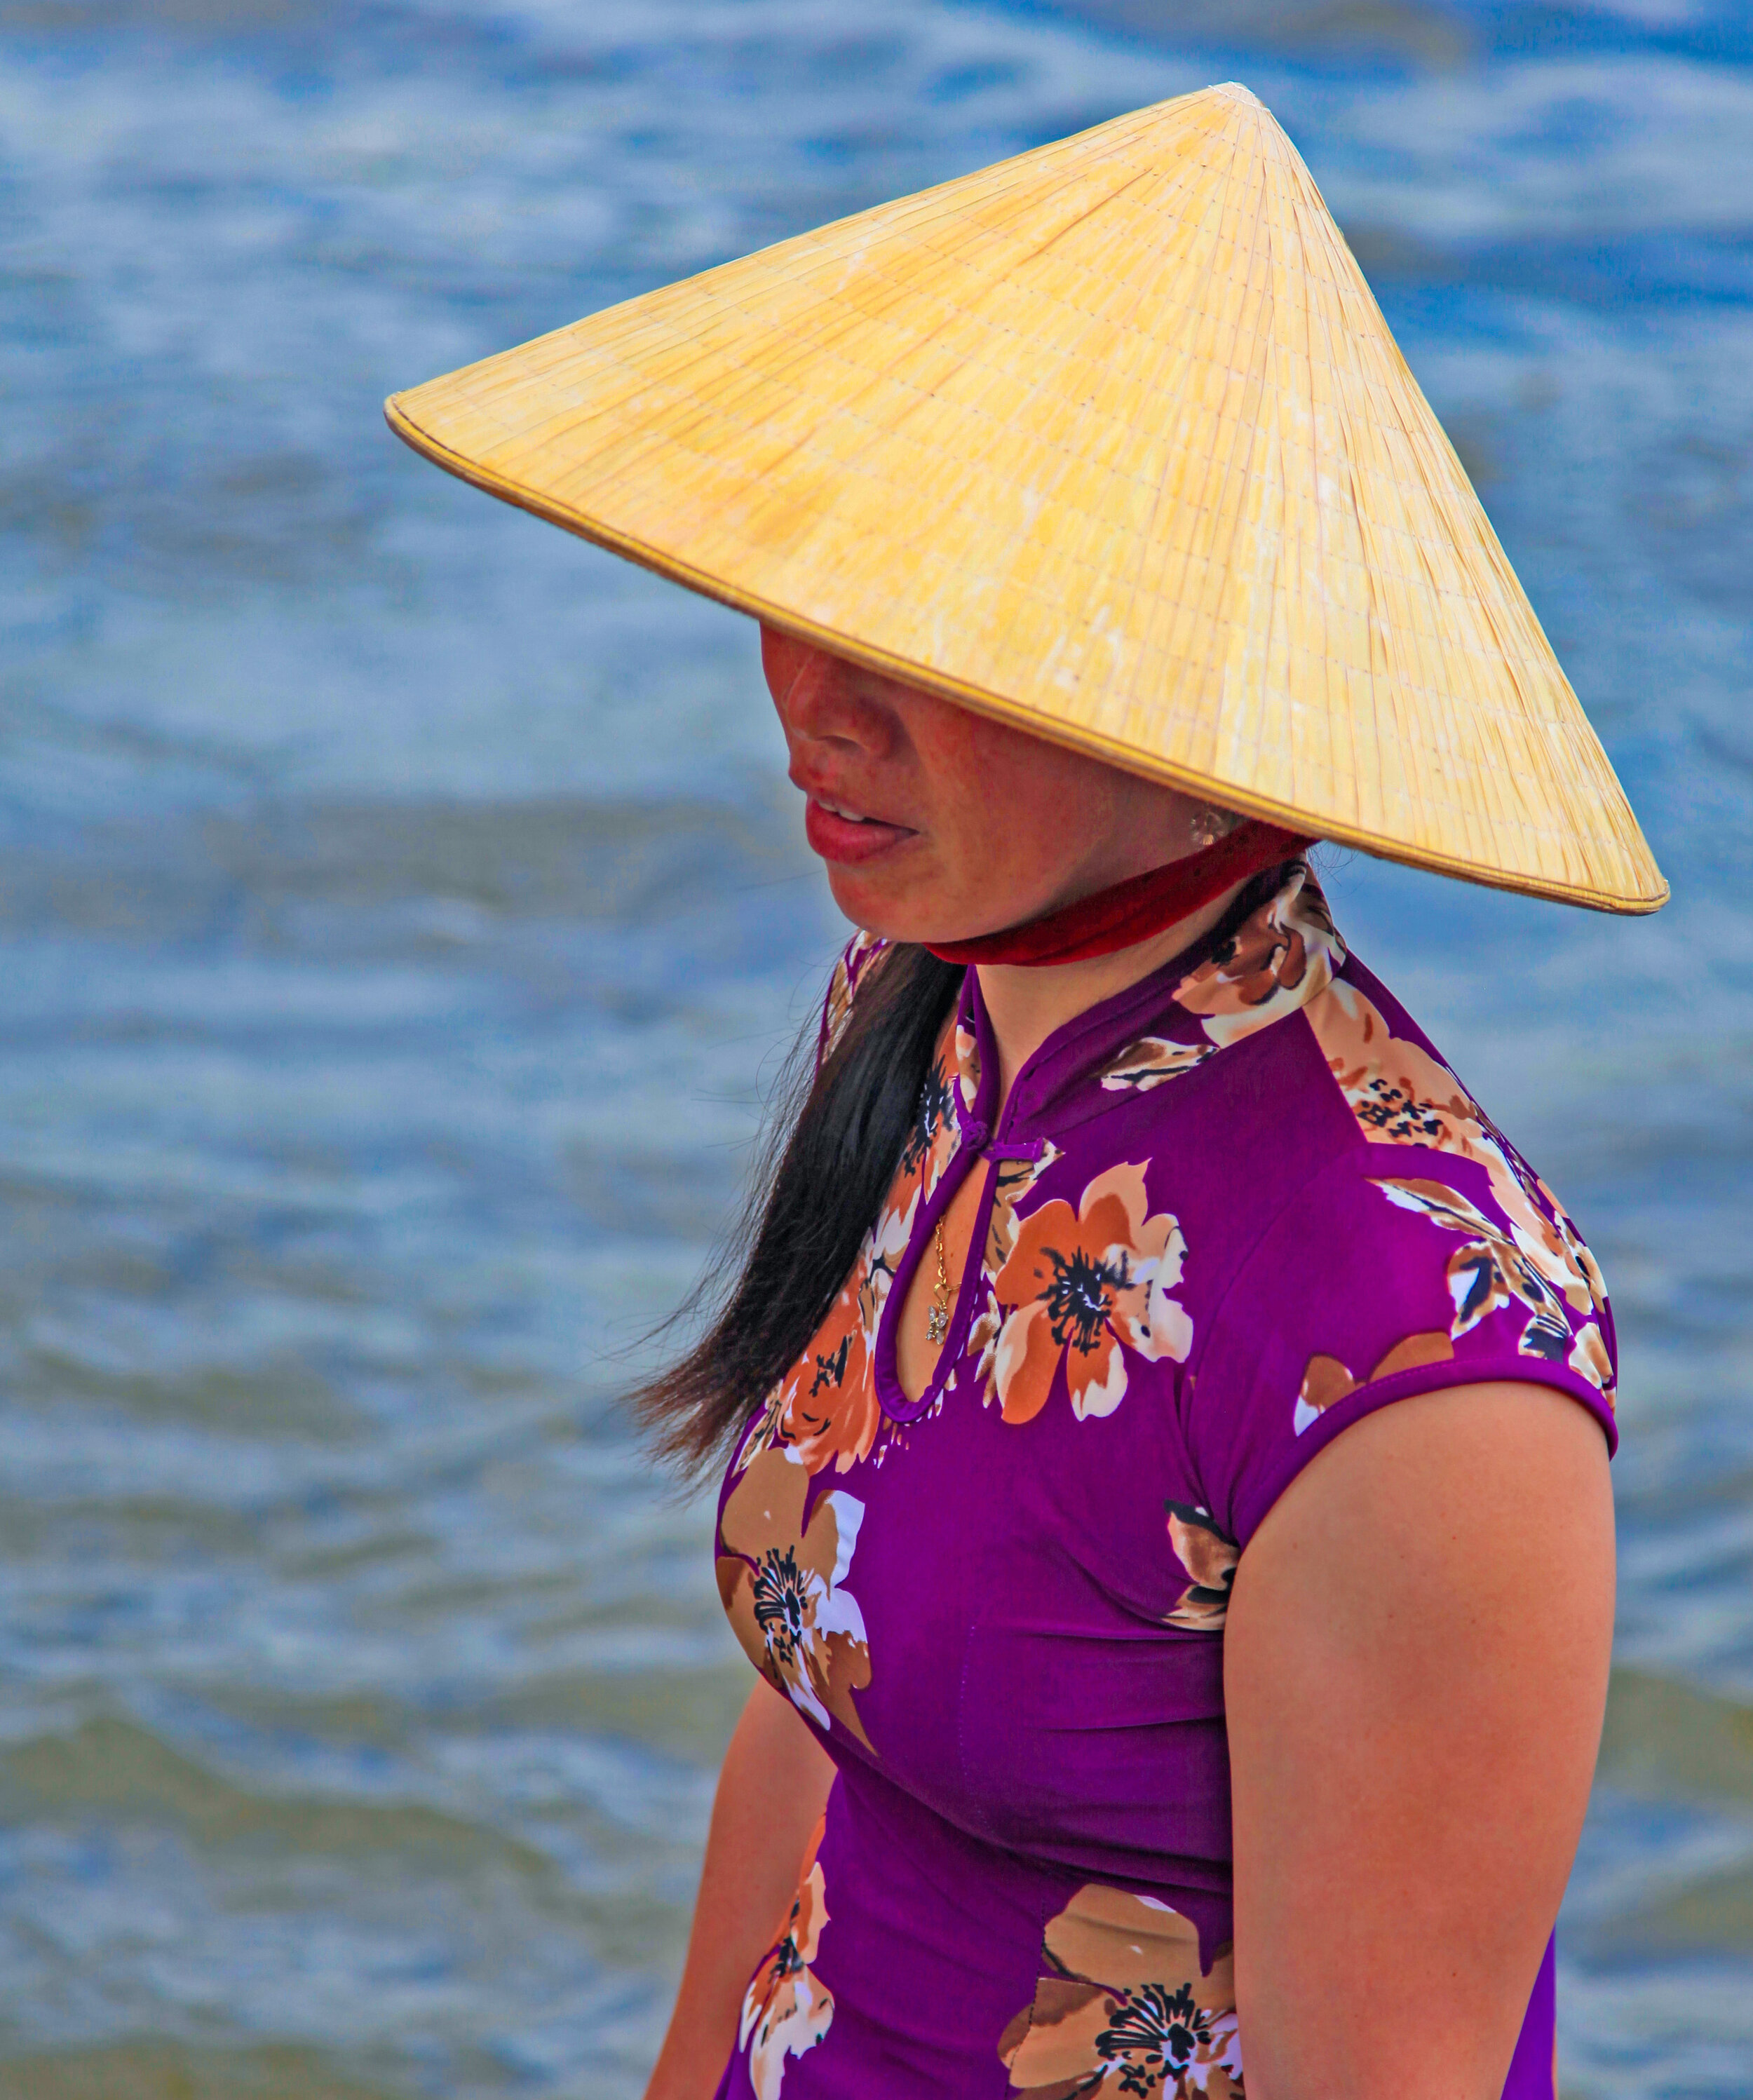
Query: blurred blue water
(402,912)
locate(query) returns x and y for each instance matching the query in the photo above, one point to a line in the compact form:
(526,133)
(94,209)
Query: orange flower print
(931,1143)
(1401,1095)
(825,1407)
(1326,1381)
(1589,1359)
(1493,1270)
(1087,1285)
(1123,2008)
(1210,1558)
(786,2011)
(1150,1062)
(783,1584)
(830,1402)
(1276,961)
(1013,1179)
(1281,957)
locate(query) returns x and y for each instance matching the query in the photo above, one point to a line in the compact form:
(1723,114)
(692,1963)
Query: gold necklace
(937,1324)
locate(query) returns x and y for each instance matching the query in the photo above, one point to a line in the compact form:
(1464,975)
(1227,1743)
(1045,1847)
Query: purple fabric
(1534,2069)
(1224,1215)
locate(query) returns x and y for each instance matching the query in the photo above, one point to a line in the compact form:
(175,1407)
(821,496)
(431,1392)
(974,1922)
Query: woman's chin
(875,906)
(864,901)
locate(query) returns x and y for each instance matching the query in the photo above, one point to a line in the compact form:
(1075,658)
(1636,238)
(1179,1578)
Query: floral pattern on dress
(967,1064)
(855,960)
(1209,1556)
(1401,1095)
(1280,956)
(934,1115)
(1085,1288)
(1012,1180)
(1102,2007)
(783,1583)
(825,1408)
(932,1140)
(1326,1381)
(1494,1269)
(1278,960)
(786,2010)
(1151,1061)
(1123,2008)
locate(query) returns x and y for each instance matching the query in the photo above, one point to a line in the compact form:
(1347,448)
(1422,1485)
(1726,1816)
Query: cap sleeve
(1397,1270)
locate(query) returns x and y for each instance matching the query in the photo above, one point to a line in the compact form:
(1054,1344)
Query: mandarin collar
(1052,1077)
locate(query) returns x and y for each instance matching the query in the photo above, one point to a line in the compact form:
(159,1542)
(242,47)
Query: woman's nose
(817,698)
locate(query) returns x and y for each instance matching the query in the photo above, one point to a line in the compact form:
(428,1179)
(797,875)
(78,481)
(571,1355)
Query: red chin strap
(1133,910)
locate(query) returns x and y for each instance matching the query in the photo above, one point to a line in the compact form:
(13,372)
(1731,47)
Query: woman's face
(938,824)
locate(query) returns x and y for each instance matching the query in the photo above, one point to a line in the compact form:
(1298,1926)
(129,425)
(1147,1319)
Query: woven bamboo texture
(1112,442)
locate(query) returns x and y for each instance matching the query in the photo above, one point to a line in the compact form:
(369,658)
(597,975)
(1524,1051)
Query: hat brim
(1110,442)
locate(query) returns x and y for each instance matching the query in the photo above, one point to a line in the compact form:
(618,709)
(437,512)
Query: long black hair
(839,1131)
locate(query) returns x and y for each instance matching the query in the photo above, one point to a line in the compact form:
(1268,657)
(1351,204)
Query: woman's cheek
(1001,797)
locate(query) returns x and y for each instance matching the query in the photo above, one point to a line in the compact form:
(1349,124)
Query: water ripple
(404,918)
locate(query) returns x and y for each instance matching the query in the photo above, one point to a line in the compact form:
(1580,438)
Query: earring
(1210,824)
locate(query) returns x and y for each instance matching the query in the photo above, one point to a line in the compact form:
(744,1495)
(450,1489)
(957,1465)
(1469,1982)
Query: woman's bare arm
(772,1787)
(1416,1670)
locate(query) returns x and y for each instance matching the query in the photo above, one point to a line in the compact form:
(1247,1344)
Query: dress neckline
(1071,1056)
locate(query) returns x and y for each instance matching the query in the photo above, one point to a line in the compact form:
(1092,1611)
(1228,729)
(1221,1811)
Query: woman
(1165,1422)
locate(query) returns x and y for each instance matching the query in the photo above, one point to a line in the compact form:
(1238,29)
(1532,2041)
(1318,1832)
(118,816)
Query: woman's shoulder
(1405,1115)
(1409,1246)
(1337,1083)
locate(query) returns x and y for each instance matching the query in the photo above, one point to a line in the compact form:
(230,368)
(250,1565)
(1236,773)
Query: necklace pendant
(938,1325)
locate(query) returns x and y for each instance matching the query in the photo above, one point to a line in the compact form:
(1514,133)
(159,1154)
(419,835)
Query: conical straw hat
(1112,442)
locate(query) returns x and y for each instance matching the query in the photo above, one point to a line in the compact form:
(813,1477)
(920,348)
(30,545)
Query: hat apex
(1109,441)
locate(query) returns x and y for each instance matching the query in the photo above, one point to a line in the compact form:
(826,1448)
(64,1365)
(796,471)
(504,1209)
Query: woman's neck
(1025,1004)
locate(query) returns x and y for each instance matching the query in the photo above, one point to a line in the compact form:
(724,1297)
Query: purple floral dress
(1225,1214)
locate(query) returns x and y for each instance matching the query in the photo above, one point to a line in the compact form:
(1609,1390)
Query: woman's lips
(841,835)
